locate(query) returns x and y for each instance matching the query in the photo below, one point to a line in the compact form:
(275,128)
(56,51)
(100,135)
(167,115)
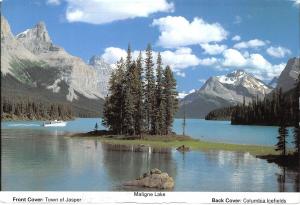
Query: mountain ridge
(31,54)
(222,91)
(287,78)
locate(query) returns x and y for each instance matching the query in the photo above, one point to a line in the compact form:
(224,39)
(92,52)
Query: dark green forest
(17,107)
(141,101)
(268,111)
(220,114)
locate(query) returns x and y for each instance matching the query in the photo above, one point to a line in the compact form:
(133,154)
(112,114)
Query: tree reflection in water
(126,162)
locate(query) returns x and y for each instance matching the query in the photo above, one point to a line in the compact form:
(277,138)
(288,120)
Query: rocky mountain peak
(38,32)
(237,73)
(234,77)
(103,71)
(5,30)
(36,39)
(97,61)
(222,91)
(289,75)
(243,79)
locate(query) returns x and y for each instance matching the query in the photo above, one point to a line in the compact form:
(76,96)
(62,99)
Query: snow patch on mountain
(224,90)
(54,87)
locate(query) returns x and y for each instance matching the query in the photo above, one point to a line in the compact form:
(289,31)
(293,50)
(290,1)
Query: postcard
(139,101)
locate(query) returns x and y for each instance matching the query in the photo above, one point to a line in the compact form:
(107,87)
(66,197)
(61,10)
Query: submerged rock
(183,148)
(153,179)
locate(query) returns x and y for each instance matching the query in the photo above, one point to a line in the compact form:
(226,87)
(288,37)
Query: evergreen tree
(265,111)
(139,117)
(149,89)
(129,109)
(282,131)
(109,119)
(128,125)
(159,98)
(281,144)
(96,127)
(114,106)
(33,108)
(171,101)
(133,100)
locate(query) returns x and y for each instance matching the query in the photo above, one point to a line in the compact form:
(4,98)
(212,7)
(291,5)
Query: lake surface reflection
(44,160)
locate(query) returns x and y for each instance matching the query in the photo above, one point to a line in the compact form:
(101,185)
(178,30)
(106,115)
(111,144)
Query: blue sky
(199,38)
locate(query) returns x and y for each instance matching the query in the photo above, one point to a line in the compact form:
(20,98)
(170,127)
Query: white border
(169,198)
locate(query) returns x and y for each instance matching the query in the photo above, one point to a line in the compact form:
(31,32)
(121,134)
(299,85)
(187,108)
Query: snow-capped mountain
(34,60)
(222,91)
(289,75)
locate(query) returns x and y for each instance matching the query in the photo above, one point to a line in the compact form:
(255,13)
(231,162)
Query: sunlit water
(37,158)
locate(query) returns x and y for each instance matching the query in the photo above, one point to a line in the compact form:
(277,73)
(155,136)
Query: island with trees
(140,102)
(141,105)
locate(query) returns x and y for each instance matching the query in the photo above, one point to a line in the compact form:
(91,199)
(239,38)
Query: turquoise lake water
(220,131)
(35,158)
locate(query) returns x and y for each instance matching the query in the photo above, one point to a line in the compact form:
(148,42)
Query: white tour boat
(55,123)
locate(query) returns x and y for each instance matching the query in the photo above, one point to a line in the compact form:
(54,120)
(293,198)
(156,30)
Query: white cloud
(233,57)
(54,2)
(176,31)
(183,58)
(208,61)
(183,94)
(255,43)
(106,11)
(213,49)
(181,74)
(112,54)
(253,63)
(179,59)
(236,38)
(237,20)
(278,52)
(296,2)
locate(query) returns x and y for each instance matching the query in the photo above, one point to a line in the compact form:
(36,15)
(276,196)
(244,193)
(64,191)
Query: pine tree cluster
(220,113)
(268,111)
(140,101)
(21,107)
(282,110)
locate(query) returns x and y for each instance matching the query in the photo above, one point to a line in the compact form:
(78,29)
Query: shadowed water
(37,159)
